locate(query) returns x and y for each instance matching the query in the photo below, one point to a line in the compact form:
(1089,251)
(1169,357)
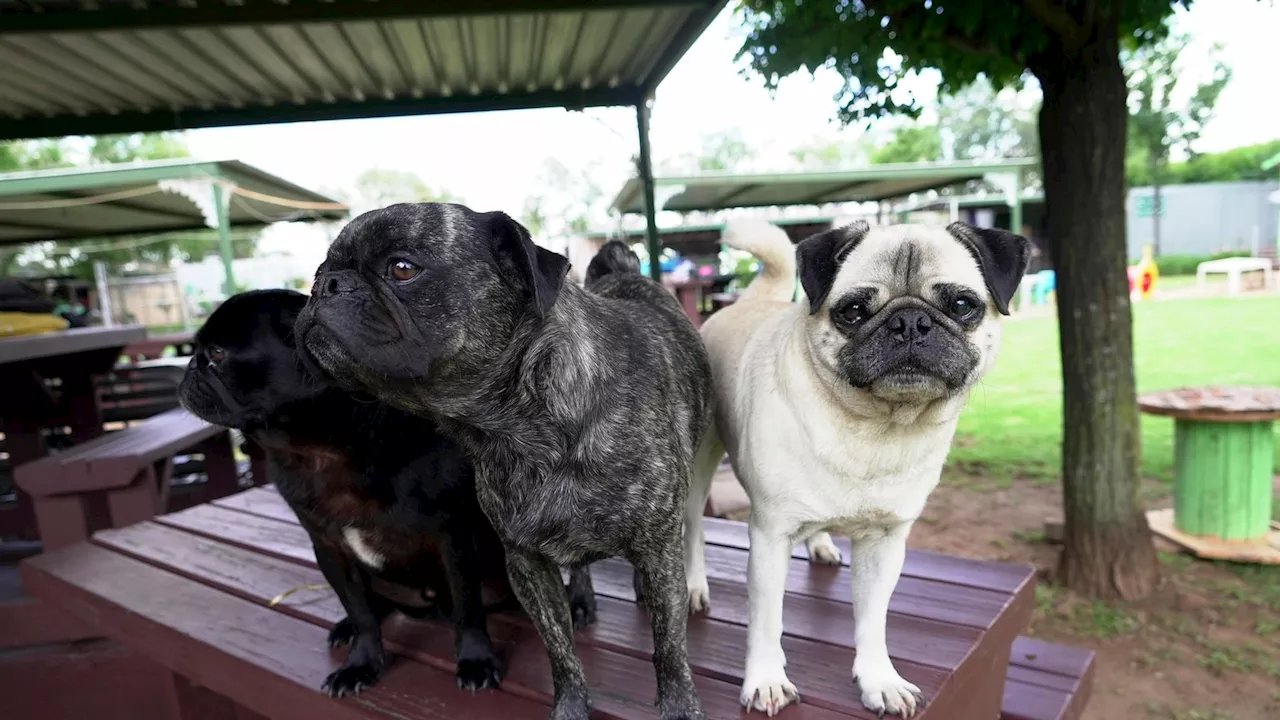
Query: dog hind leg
(661,574)
(705,463)
(537,582)
(582,597)
(822,550)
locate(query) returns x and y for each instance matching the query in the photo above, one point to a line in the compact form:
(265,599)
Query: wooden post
(1222,478)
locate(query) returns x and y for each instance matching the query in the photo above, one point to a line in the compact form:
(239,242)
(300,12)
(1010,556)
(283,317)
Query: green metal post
(1222,478)
(1015,210)
(223,214)
(654,241)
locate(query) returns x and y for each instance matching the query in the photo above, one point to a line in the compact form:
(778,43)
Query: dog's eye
(853,313)
(403,270)
(215,354)
(963,308)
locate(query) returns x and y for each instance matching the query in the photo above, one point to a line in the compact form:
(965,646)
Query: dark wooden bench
(1046,681)
(122,477)
(192,591)
(140,390)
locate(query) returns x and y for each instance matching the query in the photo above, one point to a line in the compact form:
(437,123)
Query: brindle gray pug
(582,408)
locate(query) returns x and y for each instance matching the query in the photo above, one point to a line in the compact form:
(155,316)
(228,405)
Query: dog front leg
(537,583)
(478,667)
(875,564)
(765,686)
(361,628)
(666,596)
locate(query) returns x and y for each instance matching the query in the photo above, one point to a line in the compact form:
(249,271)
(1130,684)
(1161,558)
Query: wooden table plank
(622,684)
(262,659)
(718,652)
(66,342)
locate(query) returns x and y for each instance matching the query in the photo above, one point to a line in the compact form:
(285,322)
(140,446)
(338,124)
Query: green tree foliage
(910,142)
(1072,48)
(988,124)
(379,187)
(725,151)
(568,200)
(1234,165)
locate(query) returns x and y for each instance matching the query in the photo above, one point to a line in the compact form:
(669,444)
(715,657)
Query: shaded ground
(1205,647)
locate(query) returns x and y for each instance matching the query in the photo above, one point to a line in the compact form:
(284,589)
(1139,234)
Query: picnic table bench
(130,469)
(193,591)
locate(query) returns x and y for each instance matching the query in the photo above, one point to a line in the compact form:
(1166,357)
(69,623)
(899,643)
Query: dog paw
(583,609)
(822,551)
(699,596)
(768,692)
(480,673)
(887,693)
(343,633)
(571,708)
(351,679)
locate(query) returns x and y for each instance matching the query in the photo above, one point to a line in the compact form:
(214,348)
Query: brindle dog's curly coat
(581,408)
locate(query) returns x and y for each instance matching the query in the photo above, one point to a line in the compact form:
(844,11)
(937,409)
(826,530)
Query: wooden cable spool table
(1224,460)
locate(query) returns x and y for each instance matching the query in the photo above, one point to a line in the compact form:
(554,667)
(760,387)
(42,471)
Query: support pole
(1015,206)
(224,240)
(653,241)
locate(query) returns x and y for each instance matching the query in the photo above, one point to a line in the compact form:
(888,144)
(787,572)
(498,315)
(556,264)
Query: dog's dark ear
(819,257)
(1001,255)
(540,271)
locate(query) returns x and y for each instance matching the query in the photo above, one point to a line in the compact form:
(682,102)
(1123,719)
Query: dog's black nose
(909,324)
(334,283)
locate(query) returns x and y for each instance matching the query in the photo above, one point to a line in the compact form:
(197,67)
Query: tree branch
(1057,19)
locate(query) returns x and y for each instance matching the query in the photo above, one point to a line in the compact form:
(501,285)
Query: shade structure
(723,191)
(74,67)
(149,198)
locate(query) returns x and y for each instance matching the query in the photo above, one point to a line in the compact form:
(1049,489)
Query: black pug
(582,408)
(384,496)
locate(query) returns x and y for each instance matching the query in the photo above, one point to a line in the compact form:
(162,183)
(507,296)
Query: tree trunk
(1108,549)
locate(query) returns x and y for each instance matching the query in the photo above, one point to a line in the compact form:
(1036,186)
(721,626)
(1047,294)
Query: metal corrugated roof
(127,199)
(106,66)
(722,191)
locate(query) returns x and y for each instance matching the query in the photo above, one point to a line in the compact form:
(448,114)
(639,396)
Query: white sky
(492,159)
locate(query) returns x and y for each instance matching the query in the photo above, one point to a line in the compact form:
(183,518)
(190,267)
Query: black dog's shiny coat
(582,409)
(343,464)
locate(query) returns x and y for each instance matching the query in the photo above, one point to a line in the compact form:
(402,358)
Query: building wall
(1205,218)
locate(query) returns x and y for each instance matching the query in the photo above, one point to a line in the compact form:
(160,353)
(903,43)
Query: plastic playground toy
(1143,276)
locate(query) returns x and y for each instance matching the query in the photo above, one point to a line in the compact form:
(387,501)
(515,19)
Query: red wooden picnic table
(192,591)
(48,382)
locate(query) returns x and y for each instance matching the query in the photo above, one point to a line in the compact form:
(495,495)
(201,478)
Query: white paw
(699,596)
(885,692)
(823,551)
(768,691)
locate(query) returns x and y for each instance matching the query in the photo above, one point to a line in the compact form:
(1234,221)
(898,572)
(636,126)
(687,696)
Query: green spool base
(1222,478)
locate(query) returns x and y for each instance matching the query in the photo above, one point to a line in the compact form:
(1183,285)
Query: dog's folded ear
(540,271)
(819,257)
(1002,256)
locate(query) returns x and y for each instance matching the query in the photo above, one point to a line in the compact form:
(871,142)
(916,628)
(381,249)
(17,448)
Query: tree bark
(1108,549)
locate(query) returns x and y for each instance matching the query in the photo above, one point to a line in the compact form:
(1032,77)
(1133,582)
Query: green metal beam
(646,178)
(86,235)
(156,121)
(894,171)
(223,213)
(115,17)
(129,206)
(45,181)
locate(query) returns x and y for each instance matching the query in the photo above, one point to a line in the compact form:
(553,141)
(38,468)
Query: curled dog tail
(614,257)
(777,256)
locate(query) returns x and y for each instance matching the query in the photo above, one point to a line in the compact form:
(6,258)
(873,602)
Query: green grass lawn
(1013,426)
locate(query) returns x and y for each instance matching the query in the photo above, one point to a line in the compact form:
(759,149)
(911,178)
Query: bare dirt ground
(1206,646)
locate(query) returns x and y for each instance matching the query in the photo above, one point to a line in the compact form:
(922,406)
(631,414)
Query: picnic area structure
(193,591)
(149,198)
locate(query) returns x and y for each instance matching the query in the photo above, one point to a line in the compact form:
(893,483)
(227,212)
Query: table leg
(1222,478)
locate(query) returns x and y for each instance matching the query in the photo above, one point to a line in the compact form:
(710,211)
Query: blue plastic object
(1045,283)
